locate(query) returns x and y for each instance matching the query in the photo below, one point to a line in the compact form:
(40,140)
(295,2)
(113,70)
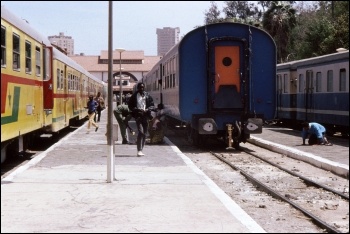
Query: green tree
(278,21)
(213,14)
(321,29)
(242,11)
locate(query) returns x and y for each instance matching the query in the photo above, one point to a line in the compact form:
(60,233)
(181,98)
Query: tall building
(166,38)
(66,43)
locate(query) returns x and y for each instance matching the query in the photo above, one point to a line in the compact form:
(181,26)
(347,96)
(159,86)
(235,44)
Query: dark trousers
(142,127)
(98,114)
(313,139)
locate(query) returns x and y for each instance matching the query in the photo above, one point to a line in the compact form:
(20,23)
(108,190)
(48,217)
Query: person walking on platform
(91,106)
(315,132)
(123,115)
(100,106)
(141,104)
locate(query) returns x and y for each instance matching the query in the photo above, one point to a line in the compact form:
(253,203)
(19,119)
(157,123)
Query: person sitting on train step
(123,115)
(91,106)
(315,132)
(141,104)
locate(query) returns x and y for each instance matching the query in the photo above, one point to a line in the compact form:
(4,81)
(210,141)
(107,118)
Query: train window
(342,80)
(16,52)
(58,73)
(3,46)
(28,57)
(279,83)
(285,83)
(318,82)
(309,80)
(330,81)
(69,81)
(76,83)
(62,80)
(37,61)
(301,83)
(47,64)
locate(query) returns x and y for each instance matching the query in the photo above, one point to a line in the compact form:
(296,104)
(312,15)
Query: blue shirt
(92,104)
(314,128)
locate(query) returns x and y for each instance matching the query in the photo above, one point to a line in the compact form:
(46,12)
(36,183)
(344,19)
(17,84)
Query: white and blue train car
(219,80)
(315,90)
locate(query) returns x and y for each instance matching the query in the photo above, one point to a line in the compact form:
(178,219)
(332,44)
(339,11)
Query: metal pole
(120,77)
(110,141)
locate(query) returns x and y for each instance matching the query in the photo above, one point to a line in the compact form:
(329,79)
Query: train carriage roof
(341,55)
(70,62)
(23,25)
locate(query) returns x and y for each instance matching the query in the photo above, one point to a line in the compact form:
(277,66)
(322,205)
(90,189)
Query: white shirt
(141,101)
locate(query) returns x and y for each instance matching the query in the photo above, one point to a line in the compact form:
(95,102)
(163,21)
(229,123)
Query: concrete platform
(65,189)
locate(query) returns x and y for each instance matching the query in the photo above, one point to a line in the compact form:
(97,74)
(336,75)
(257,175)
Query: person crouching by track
(316,134)
(91,106)
(123,115)
(141,104)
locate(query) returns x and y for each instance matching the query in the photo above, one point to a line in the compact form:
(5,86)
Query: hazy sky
(134,23)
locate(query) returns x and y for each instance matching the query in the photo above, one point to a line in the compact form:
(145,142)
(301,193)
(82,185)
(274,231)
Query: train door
(226,77)
(81,104)
(279,94)
(65,94)
(293,93)
(309,91)
(48,79)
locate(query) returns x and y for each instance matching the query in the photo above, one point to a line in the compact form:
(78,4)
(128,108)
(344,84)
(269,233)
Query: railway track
(282,194)
(294,194)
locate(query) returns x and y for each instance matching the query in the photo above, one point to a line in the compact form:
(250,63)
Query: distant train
(218,81)
(315,90)
(42,89)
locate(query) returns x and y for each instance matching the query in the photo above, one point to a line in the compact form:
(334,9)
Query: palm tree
(279,20)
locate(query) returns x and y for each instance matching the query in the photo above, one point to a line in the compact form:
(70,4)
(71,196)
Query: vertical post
(110,141)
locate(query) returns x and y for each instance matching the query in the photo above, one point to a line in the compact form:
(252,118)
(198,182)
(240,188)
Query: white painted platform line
(231,205)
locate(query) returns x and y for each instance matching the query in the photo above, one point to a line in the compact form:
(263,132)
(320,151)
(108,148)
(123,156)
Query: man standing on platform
(141,104)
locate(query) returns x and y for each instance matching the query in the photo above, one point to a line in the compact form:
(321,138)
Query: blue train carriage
(315,90)
(25,73)
(219,80)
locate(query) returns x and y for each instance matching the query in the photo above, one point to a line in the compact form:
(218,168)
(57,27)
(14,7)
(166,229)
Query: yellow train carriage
(72,85)
(42,89)
(23,72)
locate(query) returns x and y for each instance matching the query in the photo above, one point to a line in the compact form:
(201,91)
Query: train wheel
(188,134)
(3,153)
(193,137)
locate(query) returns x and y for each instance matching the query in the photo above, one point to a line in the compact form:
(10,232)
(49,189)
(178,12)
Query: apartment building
(167,38)
(66,43)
